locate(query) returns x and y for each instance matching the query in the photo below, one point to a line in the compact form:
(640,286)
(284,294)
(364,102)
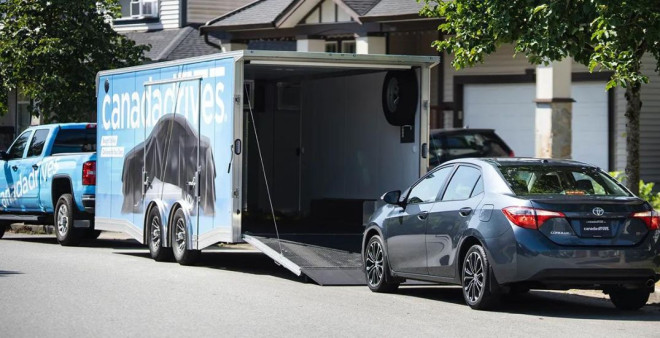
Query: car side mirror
(392,197)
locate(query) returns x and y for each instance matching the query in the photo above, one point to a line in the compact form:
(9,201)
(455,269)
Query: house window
(348,46)
(331,47)
(139,10)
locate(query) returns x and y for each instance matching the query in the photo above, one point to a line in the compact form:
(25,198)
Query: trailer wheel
(66,234)
(155,237)
(399,97)
(182,254)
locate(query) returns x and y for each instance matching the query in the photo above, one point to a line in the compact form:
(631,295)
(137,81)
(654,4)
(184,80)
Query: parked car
(496,226)
(451,144)
(49,177)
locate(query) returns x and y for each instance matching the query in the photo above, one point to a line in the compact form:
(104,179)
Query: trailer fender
(164,216)
(191,241)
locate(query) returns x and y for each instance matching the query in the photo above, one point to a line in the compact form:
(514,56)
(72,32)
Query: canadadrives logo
(144,106)
(26,183)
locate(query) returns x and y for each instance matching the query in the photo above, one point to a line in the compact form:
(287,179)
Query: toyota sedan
(497,226)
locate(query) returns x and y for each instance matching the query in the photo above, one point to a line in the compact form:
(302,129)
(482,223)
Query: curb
(17,227)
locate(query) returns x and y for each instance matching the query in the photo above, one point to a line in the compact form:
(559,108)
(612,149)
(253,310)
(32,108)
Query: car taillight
(89,173)
(530,218)
(91,126)
(651,218)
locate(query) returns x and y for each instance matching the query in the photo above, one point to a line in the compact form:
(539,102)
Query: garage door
(510,110)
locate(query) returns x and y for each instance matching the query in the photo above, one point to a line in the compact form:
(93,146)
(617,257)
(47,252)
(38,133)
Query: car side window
(462,184)
(17,149)
(38,142)
(478,188)
(428,188)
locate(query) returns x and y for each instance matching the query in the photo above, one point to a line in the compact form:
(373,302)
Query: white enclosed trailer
(283,150)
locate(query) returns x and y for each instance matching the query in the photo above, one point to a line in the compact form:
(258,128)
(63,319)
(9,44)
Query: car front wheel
(376,268)
(475,279)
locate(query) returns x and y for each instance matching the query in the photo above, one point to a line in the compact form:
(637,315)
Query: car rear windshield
(527,180)
(469,144)
(75,141)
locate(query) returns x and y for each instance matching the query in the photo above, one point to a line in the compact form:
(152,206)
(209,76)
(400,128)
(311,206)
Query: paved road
(112,288)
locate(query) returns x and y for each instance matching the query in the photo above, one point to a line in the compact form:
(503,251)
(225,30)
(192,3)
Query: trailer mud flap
(327,259)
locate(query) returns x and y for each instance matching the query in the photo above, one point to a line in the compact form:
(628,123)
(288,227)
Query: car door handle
(465,211)
(14,168)
(35,167)
(423,215)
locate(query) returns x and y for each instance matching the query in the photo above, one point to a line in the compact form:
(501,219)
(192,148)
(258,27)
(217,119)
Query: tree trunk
(633,108)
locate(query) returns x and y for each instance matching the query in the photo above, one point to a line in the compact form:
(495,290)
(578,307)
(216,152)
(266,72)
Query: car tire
(476,279)
(66,233)
(400,97)
(155,236)
(625,299)
(376,267)
(182,254)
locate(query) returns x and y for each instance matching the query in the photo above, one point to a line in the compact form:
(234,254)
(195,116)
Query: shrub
(645,189)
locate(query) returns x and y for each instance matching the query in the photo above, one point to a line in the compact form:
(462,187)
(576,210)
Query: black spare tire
(400,96)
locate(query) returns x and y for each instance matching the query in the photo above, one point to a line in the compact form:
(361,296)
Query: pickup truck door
(12,189)
(29,170)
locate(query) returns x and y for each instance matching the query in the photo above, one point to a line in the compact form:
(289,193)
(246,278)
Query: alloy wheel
(180,234)
(155,232)
(473,277)
(62,220)
(374,263)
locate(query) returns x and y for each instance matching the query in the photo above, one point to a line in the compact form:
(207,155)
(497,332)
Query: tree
(51,50)
(610,35)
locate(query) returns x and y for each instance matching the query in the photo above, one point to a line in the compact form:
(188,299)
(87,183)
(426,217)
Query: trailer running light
(650,218)
(89,173)
(530,218)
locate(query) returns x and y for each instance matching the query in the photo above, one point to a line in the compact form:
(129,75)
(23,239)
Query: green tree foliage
(51,50)
(608,35)
(645,189)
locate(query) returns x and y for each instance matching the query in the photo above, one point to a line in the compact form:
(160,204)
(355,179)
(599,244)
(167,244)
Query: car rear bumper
(542,263)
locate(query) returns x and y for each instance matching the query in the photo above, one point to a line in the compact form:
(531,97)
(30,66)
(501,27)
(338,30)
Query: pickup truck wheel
(182,254)
(155,236)
(66,234)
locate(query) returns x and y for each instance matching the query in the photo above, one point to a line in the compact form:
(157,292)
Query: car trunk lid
(594,221)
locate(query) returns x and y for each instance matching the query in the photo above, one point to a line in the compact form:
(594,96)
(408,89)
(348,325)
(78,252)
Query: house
(498,94)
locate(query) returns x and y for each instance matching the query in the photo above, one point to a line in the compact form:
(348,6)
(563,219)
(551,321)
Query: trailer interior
(318,153)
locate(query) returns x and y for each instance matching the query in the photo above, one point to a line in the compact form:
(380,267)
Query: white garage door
(510,110)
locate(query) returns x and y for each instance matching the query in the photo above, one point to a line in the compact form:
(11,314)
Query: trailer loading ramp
(327,259)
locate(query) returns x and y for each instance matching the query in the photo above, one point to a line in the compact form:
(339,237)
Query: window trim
(30,132)
(442,189)
(481,175)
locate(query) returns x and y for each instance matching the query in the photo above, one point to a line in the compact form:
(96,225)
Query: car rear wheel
(155,236)
(376,268)
(67,234)
(182,254)
(475,279)
(625,299)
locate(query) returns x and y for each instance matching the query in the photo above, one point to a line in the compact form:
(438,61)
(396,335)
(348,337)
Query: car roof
(520,161)
(460,131)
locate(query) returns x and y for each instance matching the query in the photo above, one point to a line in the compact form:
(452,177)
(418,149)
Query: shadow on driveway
(543,304)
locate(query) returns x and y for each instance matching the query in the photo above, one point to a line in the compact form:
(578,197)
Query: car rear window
(468,144)
(75,141)
(527,180)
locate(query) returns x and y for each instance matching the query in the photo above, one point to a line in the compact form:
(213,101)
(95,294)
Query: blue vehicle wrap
(30,177)
(165,136)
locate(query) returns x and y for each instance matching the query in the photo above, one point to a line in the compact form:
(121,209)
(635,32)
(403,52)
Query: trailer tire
(400,94)
(155,237)
(67,234)
(182,254)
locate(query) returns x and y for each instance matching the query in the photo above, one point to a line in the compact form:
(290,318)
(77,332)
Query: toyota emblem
(598,211)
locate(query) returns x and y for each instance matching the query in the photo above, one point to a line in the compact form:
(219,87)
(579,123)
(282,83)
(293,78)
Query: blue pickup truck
(49,177)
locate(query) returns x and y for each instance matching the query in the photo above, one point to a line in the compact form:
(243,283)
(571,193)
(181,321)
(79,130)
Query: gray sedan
(497,226)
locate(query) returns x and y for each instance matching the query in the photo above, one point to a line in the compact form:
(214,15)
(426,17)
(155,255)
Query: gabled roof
(173,44)
(266,13)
